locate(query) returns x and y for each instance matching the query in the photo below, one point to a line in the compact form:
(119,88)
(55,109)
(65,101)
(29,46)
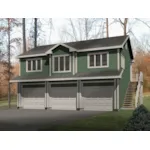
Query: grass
(110,121)
(4,102)
(147,102)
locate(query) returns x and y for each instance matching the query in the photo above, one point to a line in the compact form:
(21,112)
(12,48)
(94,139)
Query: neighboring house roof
(110,74)
(81,46)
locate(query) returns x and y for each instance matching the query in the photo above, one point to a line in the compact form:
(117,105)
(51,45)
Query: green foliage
(140,120)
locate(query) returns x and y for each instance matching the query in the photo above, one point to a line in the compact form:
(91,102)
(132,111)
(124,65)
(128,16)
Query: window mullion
(101,64)
(64,63)
(94,60)
(36,65)
(31,65)
(58,63)
(27,65)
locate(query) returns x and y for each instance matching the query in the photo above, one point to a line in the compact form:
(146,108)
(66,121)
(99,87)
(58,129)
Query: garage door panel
(63,96)
(98,96)
(63,92)
(33,96)
(65,103)
(33,93)
(95,91)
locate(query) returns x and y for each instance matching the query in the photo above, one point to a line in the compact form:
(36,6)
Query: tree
(83,29)
(107,27)
(35,32)
(9,63)
(24,34)
(6,46)
(124,24)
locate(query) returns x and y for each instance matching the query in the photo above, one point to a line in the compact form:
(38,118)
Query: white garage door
(98,96)
(63,96)
(33,96)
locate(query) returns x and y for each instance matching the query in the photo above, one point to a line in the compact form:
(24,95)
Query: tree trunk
(35,32)
(107,28)
(9,73)
(24,34)
(125,26)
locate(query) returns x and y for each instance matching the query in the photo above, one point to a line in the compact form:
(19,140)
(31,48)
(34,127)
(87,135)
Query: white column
(45,95)
(115,94)
(17,95)
(19,99)
(118,59)
(79,99)
(50,65)
(73,63)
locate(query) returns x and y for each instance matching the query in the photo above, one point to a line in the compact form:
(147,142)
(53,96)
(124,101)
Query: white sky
(138,29)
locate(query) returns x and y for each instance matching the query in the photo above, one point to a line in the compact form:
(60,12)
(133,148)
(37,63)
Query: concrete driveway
(32,120)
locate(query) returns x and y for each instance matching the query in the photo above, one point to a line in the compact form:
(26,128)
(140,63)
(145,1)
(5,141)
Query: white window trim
(58,56)
(32,65)
(123,61)
(100,53)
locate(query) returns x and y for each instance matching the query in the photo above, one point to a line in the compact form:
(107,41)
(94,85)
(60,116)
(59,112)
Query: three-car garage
(73,95)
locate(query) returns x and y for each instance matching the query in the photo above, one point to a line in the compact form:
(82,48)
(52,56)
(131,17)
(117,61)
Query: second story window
(61,63)
(98,60)
(34,65)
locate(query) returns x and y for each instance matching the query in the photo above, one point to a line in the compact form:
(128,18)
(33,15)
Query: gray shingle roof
(38,50)
(79,45)
(60,76)
(104,42)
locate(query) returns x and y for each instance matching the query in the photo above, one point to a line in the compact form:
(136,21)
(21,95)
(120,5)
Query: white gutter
(34,55)
(67,79)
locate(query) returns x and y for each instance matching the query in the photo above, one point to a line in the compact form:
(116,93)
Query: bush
(140,120)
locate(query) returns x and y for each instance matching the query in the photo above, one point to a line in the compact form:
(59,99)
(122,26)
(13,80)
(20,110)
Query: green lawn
(4,102)
(110,121)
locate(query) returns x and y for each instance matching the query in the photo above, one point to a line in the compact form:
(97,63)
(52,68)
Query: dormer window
(34,65)
(61,63)
(98,60)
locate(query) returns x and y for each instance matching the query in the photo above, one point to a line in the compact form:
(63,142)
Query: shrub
(140,120)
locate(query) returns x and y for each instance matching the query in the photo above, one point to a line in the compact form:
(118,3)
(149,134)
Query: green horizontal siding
(45,68)
(124,81)
(83,60)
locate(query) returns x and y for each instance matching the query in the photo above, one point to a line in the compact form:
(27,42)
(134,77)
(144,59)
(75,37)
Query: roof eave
(29,56)
(100,48)
(67,79)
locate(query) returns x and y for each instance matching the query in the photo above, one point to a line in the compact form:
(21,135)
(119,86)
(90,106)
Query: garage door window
(98,84)
(34,86)
(64,85)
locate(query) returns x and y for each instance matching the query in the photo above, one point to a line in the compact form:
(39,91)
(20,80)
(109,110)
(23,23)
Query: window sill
(98,67)
(61,72)
(34,71)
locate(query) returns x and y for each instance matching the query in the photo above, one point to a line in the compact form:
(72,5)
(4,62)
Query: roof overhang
(68,79)
(29,56)
(100,48)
